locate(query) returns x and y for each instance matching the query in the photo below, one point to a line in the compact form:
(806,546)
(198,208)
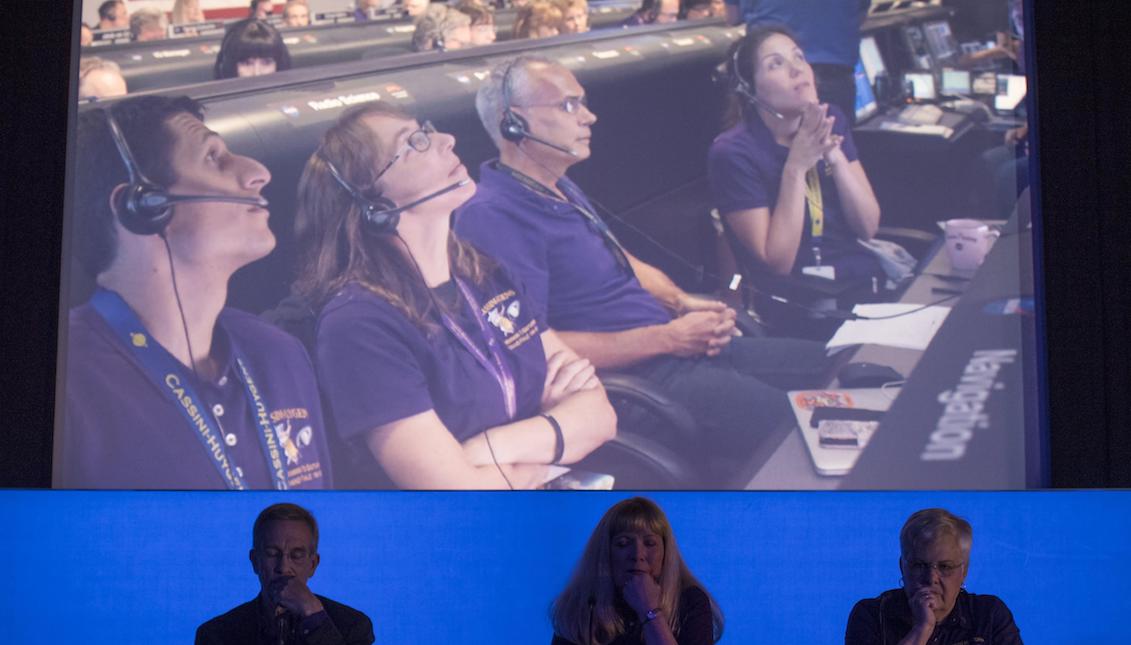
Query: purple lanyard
(499,368)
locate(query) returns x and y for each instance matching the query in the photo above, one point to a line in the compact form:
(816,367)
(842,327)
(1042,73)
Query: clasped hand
(814,139)
(291,594)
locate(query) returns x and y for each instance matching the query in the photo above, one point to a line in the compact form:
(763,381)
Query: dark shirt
(121,431)
(376,366)
(745,167)
(975,619)
(247,624)
(696,622)
(564,262)
(828,31)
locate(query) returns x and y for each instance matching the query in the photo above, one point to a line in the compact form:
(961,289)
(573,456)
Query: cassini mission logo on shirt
(503,311)
(295,436)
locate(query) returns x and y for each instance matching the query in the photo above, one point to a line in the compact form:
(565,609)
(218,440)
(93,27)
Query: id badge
(828,272)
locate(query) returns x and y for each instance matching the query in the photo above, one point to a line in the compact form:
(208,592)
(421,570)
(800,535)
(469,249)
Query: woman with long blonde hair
(632,587)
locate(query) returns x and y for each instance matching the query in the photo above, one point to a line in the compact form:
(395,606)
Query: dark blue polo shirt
(376,366)
(828,31)
(565,264)
(745,166)
(121,431)
(975,619)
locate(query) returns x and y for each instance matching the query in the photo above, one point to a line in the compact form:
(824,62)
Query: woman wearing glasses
(433,361)
(631,587)
(933,605)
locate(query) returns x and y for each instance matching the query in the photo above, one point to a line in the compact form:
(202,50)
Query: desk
(1007,453)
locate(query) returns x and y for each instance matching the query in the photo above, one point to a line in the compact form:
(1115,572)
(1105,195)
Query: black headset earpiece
(514,127)
(143,208)
(378,215)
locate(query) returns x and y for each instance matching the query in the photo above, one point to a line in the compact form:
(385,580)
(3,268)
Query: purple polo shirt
(376,366)
(745,166)
(121,431)
(565,264)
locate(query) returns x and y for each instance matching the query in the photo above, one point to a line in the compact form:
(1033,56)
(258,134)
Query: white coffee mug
(967,243)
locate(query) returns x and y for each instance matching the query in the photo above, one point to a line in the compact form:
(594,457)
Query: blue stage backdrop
(96,567)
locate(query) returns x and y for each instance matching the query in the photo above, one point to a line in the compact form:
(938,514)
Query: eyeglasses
(945,569)
(570,104)
(420,141)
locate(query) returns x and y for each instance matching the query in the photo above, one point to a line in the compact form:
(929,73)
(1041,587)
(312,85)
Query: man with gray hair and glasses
(284,554)
(607,305)
(933,606)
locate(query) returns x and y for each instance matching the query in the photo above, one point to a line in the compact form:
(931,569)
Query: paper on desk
(911,331)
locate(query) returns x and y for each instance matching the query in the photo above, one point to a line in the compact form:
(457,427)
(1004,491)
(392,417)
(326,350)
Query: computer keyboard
(921,114)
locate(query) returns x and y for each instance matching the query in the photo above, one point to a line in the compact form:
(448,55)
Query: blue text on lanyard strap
(169,376)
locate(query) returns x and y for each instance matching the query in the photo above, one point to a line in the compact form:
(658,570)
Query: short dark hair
(107,10)
(250,39)
(99,167)
(478,12)
(283,512)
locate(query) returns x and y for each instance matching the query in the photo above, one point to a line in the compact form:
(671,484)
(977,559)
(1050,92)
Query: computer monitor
(940,40)
(865,98)
(917,48)
(955,82)
(922,85)
(1011,89)
(871,58)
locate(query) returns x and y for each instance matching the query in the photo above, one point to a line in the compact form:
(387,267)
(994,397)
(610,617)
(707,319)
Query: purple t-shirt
(745,166)
(376,366)
(121,431)
(564,262)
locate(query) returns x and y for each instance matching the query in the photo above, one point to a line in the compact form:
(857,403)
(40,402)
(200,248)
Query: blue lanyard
(497,366)
(169,376)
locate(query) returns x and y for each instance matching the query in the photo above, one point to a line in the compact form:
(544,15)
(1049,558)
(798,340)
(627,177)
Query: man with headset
(610,307)
(284,555)
(165,386)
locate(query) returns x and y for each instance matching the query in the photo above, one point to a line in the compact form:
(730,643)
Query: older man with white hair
(609,306)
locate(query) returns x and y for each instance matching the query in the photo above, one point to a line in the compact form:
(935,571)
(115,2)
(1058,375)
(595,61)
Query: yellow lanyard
(816,204)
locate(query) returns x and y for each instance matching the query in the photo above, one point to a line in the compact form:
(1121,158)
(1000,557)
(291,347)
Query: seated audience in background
(785,174)
(113,14)
(828,33)
(654,11)
(575,16)
(148,23)
(251,48)
(482,21)
(366,9)
(165,386)
(443,28)
(607,305)
(296,14)
(436,364)
(415,8)
(632,586)
(100,78)
(86,36)
(186,12)
(284,555)
(696,9)
(260,9)
(539,19)
(933,606)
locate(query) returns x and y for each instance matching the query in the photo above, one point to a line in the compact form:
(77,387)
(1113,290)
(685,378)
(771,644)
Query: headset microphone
(729,73)
(145,208)
(514,127)
(379,214)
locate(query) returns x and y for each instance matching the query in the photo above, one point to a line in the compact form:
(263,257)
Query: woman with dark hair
(251,48)
(933,606)
(654,11)
(632,587)
(785,174)
(436,366)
